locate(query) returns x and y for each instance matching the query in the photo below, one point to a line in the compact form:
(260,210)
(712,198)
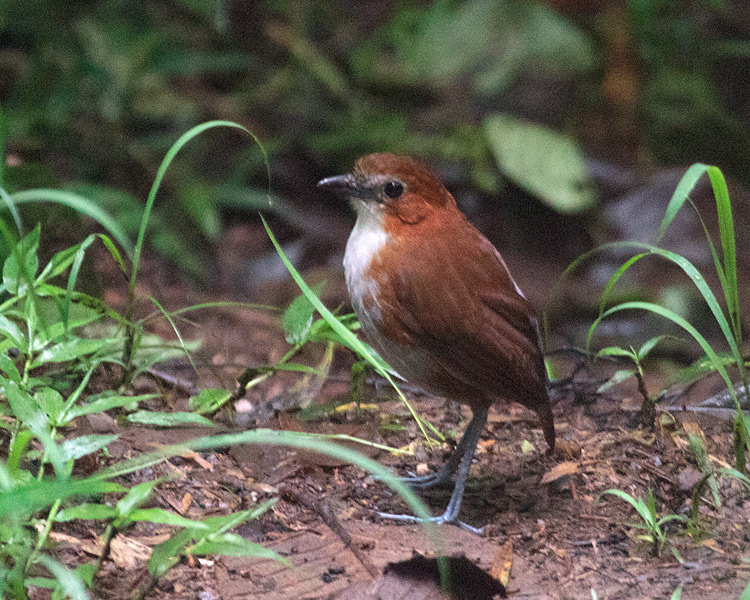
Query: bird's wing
(464,308)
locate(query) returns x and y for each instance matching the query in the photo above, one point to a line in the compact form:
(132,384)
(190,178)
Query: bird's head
(395,189)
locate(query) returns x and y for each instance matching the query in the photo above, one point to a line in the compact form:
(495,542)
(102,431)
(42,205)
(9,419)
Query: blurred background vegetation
(540,115)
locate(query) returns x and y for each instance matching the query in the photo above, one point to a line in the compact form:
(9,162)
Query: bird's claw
(442,519)
(427,481)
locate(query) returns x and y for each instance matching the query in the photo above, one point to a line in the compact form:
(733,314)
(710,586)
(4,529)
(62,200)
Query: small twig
(176,382)
(600,541)
(323,509)
(729,414)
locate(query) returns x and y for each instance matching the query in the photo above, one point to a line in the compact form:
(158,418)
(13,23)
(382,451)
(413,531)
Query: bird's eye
(393,189)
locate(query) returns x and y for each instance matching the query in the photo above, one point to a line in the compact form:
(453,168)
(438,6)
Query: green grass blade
(637,503)
(616,277)
(176,147)
(79,204)
(205,305)
(36,495)
(728,246)
(73,278)
(698,280)
(680,196)
(727,270)
(177,333)
(678,320)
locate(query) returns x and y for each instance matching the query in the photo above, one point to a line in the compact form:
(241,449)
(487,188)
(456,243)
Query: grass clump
(54,339)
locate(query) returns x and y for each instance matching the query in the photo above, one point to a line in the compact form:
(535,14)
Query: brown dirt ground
(559,539)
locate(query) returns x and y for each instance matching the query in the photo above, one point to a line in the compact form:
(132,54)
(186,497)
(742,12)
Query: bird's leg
(445,474)
(471,438)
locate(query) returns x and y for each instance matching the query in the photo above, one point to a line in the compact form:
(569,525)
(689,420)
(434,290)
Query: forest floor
(544,519)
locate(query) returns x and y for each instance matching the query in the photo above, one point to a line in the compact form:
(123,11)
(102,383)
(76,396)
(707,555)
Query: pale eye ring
(393,189)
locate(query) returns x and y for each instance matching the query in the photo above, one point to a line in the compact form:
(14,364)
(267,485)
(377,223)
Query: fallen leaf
(503,563)
(564,469)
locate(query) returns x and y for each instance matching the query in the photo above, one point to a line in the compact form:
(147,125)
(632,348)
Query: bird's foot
(444,518)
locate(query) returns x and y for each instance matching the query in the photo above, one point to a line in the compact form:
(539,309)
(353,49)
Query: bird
(436,300)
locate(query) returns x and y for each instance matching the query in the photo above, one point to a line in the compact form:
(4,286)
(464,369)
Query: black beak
(346,185)
(351,186)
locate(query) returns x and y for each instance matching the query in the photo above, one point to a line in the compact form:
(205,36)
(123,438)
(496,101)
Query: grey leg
(445,474)
(469,442)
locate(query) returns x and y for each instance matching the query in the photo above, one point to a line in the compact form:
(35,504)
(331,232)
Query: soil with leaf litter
(548,533)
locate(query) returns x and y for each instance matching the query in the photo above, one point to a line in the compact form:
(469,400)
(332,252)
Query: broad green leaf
(165,555)
(484,42)
(106,403)
(298,318)
(649,345)
(24,407)
(194,197)
(547,164)
(616,351)
(13,331)
(70,350)
(86,511)
(84,309)
(44,583)
(230,544)
(84,445)
(209,399)
(618,377)
(159,515)
(51,402)
(168,419)
(30,497)
(136,496)
(62,260)
(86,572)
(18,445)
(8,367)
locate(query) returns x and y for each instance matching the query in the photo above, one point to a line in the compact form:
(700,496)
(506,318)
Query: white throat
(366,239)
